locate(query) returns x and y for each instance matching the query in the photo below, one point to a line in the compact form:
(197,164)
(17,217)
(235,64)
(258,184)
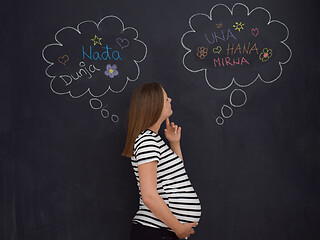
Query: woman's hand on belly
(186,230)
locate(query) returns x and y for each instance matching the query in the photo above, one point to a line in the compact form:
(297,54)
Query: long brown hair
(145,109)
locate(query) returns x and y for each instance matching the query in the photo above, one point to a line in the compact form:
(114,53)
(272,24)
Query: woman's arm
(151,198)
(175,146)
(173,134)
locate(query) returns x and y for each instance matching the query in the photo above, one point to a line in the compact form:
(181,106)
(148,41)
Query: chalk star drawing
(96,40)
(219,25)
(238,26)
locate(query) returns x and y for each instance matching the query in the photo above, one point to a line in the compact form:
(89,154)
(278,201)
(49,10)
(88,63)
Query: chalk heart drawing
(123,42)
(255,31)
(64,59)
(217,49)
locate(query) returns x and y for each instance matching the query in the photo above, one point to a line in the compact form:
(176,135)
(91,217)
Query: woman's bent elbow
(149,198)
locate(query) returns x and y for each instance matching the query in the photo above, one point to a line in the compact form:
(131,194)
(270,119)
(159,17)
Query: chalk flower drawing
(202,52)
(111,71)
(265,55)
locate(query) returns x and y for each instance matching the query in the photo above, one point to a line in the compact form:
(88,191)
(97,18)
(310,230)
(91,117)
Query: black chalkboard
(244,80)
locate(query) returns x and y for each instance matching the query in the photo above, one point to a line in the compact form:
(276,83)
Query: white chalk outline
(114,118)
(95,99)
(233,79)
(104,110)
(77,30)
(231,111)
(222,122)
(245,95)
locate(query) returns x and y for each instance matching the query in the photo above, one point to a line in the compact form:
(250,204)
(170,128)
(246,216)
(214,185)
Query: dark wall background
(62,176)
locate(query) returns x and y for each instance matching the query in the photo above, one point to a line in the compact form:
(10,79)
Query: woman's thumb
(194,224)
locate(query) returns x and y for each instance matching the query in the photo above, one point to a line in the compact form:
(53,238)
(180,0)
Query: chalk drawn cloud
(236,46)
(80,57)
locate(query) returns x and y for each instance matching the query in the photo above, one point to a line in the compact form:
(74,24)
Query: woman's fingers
(167,122)
(171,126)
(174,127)
(187,230)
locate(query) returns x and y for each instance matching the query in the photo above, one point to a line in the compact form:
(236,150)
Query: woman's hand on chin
(172,132)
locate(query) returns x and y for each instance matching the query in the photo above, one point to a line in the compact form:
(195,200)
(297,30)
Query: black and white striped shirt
(173,183)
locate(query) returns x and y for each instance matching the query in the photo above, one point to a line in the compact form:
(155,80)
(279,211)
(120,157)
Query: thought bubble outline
(233,79)
(58,43)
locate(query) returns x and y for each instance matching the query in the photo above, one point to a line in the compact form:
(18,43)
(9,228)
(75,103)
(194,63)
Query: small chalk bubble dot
(219,120)
(114,118)
(226,111)
(95,103)
(82,64)
(104,113)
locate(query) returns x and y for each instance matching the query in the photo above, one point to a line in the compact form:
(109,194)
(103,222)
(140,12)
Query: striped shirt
(173,184)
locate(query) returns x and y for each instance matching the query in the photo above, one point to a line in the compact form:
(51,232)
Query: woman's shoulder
(147,138)
(147,135)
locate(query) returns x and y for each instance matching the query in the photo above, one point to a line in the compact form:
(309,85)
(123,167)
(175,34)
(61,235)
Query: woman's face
(166,111)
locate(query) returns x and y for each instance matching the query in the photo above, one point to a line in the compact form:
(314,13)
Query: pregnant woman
(169,208)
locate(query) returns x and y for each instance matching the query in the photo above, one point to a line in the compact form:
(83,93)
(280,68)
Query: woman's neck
(155,128)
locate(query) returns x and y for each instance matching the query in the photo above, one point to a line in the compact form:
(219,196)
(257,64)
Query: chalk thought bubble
(236,46)
(94,58)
